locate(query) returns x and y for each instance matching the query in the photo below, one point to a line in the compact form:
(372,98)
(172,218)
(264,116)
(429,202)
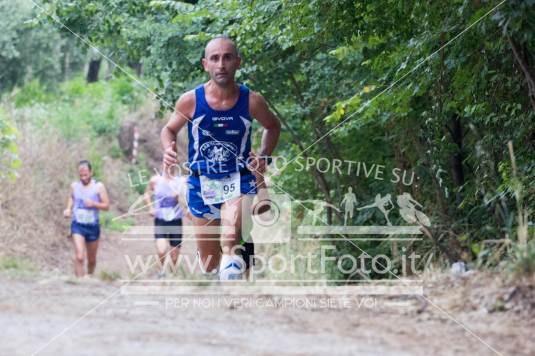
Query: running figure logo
(381,203)
(410,221)
(319,206)
(409,212)
(349,202)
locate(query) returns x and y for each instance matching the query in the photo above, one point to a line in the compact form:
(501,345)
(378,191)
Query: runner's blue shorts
(91,232)
(199,209)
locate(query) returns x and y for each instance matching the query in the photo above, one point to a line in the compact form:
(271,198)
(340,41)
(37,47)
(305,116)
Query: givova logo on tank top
(218,151)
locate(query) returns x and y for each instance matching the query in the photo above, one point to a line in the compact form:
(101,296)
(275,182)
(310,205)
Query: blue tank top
(166,203)
(81,213)
(219,141)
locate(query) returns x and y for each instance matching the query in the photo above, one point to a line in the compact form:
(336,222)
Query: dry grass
(32,225)
(482,291)
(31,220)
(149,127)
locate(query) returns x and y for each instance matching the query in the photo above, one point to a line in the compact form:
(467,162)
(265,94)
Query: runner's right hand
(67,213)
(169,156)
(152,212)
(256,164)
(88,203)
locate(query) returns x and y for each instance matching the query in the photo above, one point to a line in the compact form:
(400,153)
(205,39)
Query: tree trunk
(456,131)
(524,60)
(66,65)
(422,148)
(330,147)
(136,66)
(92,72)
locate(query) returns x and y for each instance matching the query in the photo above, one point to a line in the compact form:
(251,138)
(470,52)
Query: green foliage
(17,267)
(31,93)
(16,264)
(115,151)
(138,182)
(124,92)
(383,82)
(522,262)
(78,109)
(109,276)
(9,159)
(119,25)
(30,50)
(109,222)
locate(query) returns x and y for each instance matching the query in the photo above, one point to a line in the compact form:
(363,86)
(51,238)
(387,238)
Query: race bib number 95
(215,191)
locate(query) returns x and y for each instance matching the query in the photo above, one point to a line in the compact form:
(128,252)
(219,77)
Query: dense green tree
(437,88)
(31,50)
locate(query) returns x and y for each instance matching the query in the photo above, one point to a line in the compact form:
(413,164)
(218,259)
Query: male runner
(167,215)
(219,116)
(87,198)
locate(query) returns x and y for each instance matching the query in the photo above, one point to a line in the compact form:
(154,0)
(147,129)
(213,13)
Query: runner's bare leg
(231,217)
(208,244)
(161,248)
(78,242)
(175,251)
(92,248)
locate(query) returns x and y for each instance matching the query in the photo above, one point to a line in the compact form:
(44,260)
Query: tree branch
(522,62)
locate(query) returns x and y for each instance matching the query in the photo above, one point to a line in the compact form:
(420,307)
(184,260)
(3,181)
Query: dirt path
(55,315)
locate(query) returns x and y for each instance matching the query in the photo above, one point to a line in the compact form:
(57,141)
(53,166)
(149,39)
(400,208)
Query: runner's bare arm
(259,109)
(148,195)
(104,203)
(149,190)
(104,199)
(184,110)
(68,211)
(182,198)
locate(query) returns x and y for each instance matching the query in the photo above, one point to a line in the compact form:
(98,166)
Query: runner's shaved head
(216,40)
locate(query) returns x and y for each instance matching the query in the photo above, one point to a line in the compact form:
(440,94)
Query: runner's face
(221,61)
(85,174)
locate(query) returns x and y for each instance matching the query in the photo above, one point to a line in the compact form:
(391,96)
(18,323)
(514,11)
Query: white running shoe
(231,268)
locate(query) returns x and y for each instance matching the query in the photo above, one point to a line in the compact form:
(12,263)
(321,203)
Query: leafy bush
(124,91)
(74,88)
(78,109)
(9,160)
(115,151)
(109,276)
(108,222)
(15,266)
(32,93)
(522,263)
